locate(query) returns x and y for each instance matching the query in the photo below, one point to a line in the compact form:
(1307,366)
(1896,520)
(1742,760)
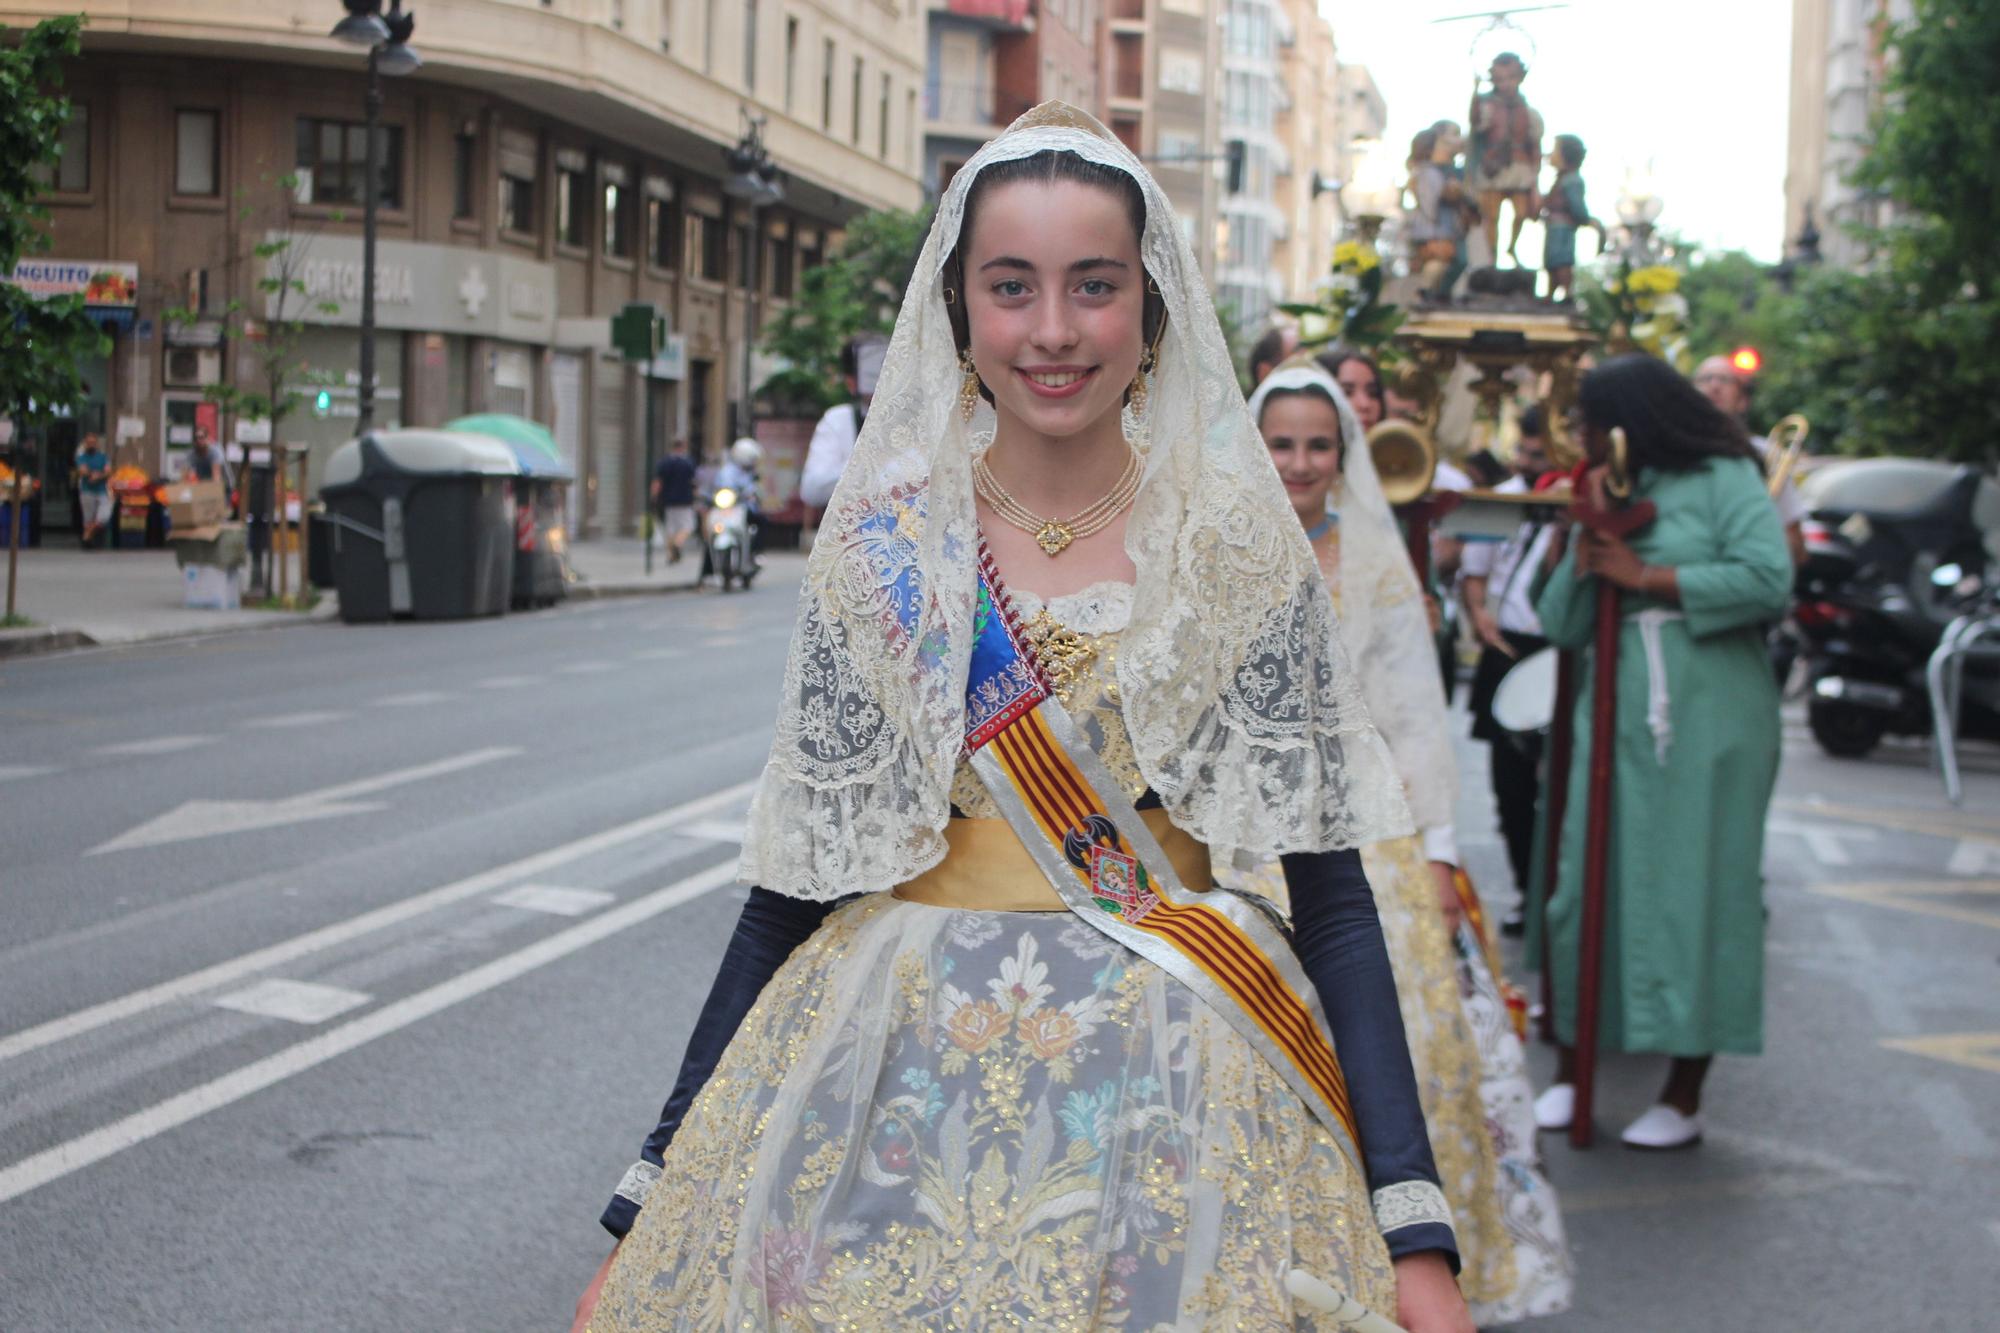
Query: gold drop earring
(1137,397)
(968,386)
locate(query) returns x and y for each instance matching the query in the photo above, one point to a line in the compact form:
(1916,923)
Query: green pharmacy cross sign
(639,332)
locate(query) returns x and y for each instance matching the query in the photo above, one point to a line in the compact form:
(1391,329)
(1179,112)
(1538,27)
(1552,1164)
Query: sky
(1695,92)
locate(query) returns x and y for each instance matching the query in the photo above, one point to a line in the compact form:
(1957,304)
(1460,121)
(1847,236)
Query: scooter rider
(738,473)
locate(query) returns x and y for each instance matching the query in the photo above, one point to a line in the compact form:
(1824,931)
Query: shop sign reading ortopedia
(432,288)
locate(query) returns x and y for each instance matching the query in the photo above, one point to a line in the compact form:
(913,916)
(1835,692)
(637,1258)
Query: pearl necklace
(1054,535)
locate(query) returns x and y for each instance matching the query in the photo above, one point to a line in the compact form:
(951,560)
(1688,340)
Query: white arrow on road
(208,819)
(1825,844)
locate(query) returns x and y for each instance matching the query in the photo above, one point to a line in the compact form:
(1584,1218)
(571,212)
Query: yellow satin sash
(987,869)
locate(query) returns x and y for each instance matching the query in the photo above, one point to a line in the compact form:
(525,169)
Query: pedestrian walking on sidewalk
(1696,752)
(93,488)
(673,497)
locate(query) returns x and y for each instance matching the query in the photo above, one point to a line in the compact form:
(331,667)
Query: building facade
(1838,68)
(1162,95)
(990,60)
(521,206)
(1311,127)
(1254,96)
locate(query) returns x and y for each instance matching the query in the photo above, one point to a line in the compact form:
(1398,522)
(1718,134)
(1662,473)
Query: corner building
(552,161)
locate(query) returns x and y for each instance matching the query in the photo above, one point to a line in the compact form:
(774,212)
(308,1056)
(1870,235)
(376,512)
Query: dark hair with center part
(1332,360)
(1301,391)
(1047,168)
(1668,423)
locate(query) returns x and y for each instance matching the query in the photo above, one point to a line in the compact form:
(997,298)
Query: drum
(1525,699)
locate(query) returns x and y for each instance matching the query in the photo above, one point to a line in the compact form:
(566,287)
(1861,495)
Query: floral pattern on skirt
(935,1118)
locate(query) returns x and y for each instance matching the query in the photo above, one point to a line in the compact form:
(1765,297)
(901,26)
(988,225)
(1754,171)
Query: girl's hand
(1427,1296)
(1446,876)
(586,1304)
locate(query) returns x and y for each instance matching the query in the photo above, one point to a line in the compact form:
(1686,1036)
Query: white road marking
(507,682)
(303,1002)
(157,745)
(715,830)
(583,668)
(725,641)
(327,937)
(658,654)
(417,699)
(555,901)
(206,819)
(1972,858)
(1824,843)
(1952,1115)
(288,720)
(9,772)
(86,1149)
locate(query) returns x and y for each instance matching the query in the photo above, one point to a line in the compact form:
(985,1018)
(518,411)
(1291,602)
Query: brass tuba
(1405,459)
(1786,442)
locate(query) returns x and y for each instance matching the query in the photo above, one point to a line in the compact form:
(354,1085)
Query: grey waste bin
(423,525)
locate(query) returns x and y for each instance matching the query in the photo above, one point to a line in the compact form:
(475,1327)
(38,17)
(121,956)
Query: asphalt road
(343,968)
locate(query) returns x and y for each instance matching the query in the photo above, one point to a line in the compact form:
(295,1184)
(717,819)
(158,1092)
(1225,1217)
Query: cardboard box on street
(193,505)
(212,589)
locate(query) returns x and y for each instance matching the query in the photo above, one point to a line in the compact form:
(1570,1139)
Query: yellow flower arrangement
(1654,280)
(1356,257)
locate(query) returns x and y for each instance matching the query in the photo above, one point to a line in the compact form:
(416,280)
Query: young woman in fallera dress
(1471,1070)
(986,1049)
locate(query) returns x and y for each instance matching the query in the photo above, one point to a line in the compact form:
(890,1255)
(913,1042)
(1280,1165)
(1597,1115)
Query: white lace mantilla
(1410,1203)
(1244,713)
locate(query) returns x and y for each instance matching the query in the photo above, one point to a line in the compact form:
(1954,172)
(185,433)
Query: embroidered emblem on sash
(1118,883)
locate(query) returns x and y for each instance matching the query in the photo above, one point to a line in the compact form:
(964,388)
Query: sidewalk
(616,567)
(81,599)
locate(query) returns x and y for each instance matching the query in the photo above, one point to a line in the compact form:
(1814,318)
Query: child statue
(1563,213)
(1504,162)
(1438,223)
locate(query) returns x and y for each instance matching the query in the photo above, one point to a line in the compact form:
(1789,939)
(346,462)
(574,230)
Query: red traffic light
(1745,361)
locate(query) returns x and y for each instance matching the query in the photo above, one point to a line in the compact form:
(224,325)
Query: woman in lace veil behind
(928,1087)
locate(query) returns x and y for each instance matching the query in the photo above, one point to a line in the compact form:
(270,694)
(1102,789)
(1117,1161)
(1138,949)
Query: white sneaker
(1556,1107)
(1663,1128)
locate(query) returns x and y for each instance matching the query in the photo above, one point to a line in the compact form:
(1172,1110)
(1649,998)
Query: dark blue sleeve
(767,932)
(1339,941)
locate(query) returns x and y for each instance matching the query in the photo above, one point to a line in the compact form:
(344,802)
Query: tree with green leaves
(1896,357)
(857,290)
(44,342)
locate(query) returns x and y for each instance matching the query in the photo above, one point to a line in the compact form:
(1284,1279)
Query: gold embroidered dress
(1471,1069)
(938,1116)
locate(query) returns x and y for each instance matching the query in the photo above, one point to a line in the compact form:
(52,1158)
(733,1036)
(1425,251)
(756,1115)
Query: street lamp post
(753,179)
(387,37)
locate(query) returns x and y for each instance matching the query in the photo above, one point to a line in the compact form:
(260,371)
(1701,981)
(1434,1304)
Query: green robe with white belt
(1684,923)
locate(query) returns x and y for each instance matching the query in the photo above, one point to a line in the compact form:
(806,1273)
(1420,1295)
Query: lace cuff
(642,1176)
(1410,1203)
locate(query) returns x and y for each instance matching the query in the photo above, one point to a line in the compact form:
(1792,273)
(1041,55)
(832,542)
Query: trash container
(423,525)
(319,547)
(541,505)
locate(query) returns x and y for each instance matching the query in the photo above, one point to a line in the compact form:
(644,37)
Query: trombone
(1786,442)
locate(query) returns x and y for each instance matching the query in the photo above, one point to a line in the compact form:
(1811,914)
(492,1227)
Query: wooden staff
(1604,514)
(1555,788)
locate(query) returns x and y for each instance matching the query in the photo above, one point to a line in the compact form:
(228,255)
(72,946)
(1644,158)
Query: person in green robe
(1696,752)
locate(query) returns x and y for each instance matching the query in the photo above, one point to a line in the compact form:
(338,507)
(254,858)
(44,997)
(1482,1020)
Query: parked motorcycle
(727,532)
(1896,549)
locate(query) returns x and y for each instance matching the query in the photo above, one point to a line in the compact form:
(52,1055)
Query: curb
(24,643)
(30,642)
(592,592)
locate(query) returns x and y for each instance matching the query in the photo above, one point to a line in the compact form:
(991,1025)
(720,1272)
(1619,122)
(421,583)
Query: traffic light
(323,402)
(1235,153)
(1746,361)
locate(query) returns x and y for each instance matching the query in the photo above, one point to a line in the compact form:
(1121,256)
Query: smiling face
(1055,301)
(1302,431)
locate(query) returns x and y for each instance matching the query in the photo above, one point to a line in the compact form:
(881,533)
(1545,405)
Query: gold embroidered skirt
(943,1118)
